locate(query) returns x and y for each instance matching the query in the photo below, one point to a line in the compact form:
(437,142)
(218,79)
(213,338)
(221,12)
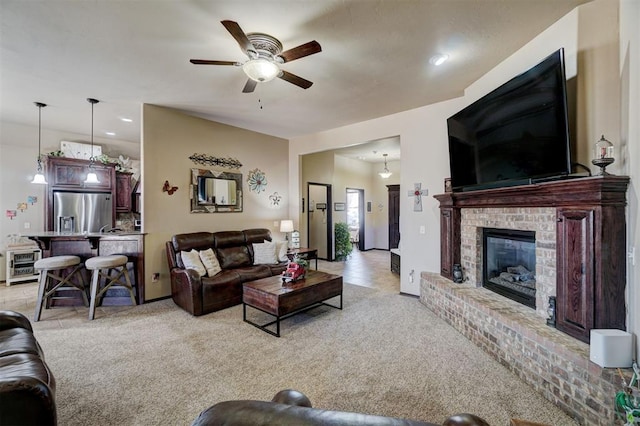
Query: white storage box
(611,348)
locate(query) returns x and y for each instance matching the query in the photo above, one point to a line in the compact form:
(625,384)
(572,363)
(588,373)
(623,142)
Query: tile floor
(370,268)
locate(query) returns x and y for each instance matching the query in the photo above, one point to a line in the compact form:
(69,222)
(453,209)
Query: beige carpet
(383,354)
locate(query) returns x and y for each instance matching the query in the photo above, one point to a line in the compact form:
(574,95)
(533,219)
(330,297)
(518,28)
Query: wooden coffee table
(271,296)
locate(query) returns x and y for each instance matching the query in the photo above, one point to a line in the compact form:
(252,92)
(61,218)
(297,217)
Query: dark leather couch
(27,387)
(290,407)
(234,250)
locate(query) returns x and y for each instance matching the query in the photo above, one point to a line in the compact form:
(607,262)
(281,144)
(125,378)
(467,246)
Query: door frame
(330,254)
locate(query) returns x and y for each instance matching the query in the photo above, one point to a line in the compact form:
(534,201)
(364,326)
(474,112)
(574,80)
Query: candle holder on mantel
(603,155)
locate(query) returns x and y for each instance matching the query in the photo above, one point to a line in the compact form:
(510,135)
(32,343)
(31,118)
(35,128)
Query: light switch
(423,229)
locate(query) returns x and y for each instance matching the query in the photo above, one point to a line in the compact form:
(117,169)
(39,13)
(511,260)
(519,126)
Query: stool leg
(42,287)
(95,278)
(130,287)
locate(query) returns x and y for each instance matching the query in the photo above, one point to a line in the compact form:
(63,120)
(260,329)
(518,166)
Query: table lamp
(286,226)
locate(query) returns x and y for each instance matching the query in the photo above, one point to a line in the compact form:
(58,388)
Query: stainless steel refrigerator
(82,212)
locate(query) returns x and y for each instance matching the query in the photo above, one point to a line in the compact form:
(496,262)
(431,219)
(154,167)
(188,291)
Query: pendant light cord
(40,105)
(92,101)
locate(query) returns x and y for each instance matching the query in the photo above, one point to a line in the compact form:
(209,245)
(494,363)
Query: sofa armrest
(26,401)
(186,290)
(12,319)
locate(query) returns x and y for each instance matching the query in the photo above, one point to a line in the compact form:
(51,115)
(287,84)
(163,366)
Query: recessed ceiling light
(126,120)
(439,59)
(110,133)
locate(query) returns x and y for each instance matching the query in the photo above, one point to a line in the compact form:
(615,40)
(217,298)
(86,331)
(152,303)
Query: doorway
(319,219)
(355,217)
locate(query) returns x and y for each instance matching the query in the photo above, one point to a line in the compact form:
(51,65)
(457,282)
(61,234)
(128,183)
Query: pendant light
(92,177)
(39,177)
(385,173)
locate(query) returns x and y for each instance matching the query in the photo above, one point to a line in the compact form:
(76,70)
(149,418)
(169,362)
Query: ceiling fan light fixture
(385,173)
(261,69)
(439,59)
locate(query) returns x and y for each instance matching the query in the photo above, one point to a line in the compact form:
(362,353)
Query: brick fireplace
(579,227)
(541,220)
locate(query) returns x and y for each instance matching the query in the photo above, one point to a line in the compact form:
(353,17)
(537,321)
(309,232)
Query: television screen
(515,134)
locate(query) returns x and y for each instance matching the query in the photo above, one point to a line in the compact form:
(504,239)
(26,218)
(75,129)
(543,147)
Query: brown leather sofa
(290,407)
(27,387)
(234,250)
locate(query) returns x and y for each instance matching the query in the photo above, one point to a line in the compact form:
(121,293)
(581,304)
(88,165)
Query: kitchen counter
(86,245)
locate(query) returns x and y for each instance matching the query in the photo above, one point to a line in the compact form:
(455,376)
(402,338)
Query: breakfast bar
(87,245)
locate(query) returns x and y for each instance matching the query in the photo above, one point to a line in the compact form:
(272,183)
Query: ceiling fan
(265,57)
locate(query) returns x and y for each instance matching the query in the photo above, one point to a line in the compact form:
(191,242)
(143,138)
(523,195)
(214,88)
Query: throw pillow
(264,253)
(191,260)
(282,248)
(210,262)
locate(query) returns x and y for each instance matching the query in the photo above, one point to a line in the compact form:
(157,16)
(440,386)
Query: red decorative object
(293,273)
(168,188)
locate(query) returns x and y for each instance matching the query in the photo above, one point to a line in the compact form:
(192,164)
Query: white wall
(630,142)
(425,159)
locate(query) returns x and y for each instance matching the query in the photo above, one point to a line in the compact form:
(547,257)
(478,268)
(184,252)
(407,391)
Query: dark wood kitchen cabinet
(123,192)
(68,175)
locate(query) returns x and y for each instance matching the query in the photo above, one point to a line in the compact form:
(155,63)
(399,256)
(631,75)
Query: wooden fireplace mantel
(590,244)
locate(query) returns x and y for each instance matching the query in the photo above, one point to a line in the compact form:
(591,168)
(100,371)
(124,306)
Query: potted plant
(343,241)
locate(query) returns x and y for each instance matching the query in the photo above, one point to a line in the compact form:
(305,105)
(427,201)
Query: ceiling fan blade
(301,51)
(294,79)
(250,86)
(208,62)
(239,35)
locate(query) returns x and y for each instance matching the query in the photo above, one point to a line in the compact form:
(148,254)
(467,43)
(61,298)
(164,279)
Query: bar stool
(53,278)
(102,267)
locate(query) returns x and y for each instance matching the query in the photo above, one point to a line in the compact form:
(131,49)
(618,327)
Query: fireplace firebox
(509,264)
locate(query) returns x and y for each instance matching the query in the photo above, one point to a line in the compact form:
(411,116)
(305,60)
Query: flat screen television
(516,134)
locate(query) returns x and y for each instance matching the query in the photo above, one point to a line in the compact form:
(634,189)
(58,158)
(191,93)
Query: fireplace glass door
(509,264)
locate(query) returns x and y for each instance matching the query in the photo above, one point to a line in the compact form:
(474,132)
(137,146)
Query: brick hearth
(553,363)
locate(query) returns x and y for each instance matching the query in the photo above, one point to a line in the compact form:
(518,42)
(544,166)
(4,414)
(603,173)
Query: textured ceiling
(374,59)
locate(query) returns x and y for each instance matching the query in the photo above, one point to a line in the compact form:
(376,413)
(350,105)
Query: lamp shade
(261,70)
(39,178)
(92,178)
(286,226)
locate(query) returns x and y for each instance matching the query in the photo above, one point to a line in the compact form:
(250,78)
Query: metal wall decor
(257,180)
(210,160)
(275,199)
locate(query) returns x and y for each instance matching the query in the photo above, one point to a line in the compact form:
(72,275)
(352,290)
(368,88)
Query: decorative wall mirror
(215,192)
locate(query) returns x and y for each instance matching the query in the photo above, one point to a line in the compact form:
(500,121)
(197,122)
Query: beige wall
(168,139)
(342,173)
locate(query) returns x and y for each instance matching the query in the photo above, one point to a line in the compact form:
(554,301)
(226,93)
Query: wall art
(418,193)
(257,181)
(275,199)
(210,160)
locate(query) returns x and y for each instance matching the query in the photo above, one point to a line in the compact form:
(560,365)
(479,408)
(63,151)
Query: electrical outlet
(27,225)
(423,229)
(155,277)
(632,256)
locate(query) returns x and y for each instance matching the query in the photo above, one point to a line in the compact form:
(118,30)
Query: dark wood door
(575,278)
(394,215)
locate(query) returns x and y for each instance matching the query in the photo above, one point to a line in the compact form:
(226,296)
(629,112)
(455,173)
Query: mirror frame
(196,207)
